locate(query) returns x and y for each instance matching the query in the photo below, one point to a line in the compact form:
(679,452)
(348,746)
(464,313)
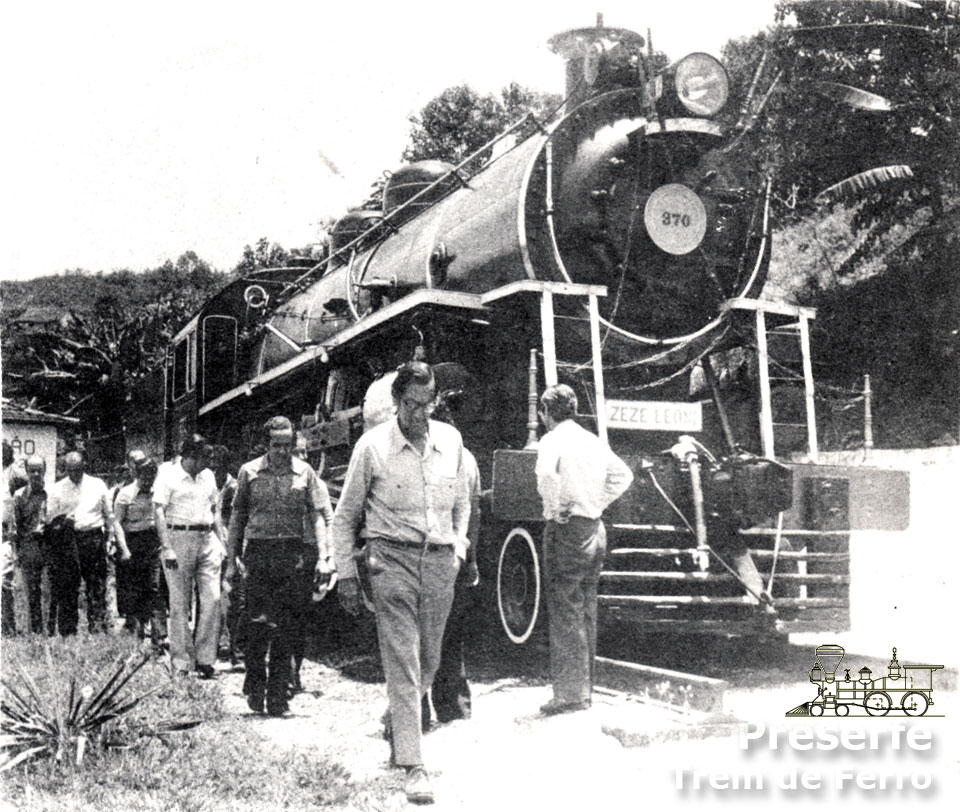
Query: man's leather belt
(275,540)
(429,546)
(89,532)
(198,528)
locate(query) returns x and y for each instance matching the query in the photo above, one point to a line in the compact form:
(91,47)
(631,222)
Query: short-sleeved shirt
(88,503)
(139,515)
(397,493)
(185,499)
(274,503)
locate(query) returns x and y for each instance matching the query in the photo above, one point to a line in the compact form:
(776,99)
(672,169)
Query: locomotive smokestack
(597,59)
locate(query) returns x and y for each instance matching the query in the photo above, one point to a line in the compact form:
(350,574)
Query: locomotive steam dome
(412,179)
(352,225)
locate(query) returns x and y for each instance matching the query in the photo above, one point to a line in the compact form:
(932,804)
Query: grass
(137,762)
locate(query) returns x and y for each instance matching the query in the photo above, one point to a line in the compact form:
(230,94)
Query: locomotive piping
(388,219)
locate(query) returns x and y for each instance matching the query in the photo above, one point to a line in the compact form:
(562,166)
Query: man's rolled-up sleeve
(460,518)
(239,514)
(349,513)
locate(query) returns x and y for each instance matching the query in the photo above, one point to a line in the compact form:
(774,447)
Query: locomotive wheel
(877,703)
(816,709)
(843,710)
(915,704)
(518,585)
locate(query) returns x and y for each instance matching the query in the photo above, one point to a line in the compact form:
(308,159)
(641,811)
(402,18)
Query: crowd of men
(245,556)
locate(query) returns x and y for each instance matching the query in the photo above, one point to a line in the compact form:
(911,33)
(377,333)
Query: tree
(265,255)
(460,120)
(90,364)
(852,99)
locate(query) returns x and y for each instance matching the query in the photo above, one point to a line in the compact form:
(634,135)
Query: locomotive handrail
(388,219)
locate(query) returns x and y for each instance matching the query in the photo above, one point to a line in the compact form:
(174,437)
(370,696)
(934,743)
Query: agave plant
(31,728)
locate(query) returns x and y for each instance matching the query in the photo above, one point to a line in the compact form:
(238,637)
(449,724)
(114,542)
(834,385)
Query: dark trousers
(7,601)
(573,557)
(138,583)
(450,690)
(273,591)
(31,559)
(304,608)
(64,583)
(92,555)
(78,555)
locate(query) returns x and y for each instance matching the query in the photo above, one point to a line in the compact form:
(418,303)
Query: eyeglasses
(415,405)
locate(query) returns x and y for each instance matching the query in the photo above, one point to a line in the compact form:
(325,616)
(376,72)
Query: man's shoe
(278,709)
(206,672)
(417,786)
(555,706)
(255,703)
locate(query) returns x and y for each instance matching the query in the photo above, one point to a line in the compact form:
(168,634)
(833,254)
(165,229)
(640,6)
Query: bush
(141,760)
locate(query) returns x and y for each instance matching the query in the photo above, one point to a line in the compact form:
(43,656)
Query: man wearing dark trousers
(30,506)
(450,691)
(577,477)
(276,494)
(406,486)
(82,502)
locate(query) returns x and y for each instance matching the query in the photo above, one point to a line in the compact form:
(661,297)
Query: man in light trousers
(406,485)
(185,498)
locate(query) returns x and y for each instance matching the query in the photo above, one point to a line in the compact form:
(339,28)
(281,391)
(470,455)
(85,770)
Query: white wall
(905,586)
(32,438)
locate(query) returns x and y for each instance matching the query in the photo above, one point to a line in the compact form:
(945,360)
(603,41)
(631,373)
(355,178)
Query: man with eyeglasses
(406,487)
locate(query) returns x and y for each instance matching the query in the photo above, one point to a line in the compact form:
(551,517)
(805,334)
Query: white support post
(598,368)
(766,407)
(549,338)
(814,449)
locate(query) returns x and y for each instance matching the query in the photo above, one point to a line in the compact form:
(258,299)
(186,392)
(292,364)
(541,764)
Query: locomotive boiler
(618,247)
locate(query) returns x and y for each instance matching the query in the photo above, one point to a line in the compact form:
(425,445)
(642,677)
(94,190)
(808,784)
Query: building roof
(40,314)
(21,414)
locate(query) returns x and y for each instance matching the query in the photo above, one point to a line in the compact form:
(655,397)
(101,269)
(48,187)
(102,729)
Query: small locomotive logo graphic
(906,689)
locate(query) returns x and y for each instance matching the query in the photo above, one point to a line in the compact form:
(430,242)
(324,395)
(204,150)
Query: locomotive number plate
(675,218)
(654,415)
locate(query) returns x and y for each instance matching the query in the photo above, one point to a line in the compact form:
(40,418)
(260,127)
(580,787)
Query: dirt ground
(509,757)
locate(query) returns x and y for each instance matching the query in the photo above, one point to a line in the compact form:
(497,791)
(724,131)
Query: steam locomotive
(619,247)
(907,688)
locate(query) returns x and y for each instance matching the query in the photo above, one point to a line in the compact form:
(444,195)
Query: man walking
(577,477)
(82,504)
(406,486)
(30,507)
(184,500)
(450,691)
(276,494)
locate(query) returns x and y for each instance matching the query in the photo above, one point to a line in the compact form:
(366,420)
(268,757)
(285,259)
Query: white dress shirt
(88,503)
(577,474)
(185,499)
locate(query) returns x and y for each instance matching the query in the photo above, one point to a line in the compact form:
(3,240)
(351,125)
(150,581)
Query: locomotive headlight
(701,84)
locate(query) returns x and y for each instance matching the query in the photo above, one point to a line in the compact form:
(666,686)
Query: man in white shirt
(577,477)
(185,501)
(83,504)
